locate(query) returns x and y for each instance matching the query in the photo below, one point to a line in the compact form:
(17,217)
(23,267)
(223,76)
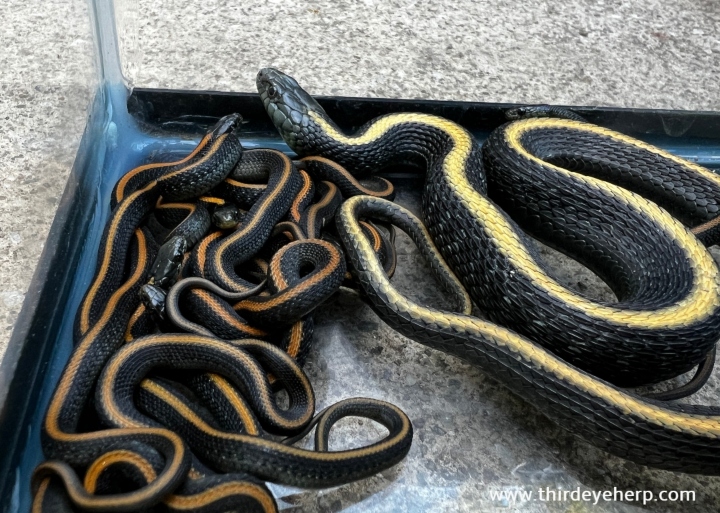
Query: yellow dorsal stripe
(703,298)
(700,302)
(531,354)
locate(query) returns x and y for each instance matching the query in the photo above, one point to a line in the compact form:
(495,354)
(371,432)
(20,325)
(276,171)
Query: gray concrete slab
(472,437)
(657,53)
(46,83)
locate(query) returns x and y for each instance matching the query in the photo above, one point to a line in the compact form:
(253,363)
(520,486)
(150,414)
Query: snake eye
(272,91)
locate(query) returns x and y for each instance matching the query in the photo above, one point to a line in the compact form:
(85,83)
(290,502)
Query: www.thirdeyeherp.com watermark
(510,497)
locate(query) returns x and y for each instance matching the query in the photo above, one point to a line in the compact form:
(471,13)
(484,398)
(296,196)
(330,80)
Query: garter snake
(218,152)
(551,177)
(161,398)
(320,168)
(232,452)
(102,318)
(221,255)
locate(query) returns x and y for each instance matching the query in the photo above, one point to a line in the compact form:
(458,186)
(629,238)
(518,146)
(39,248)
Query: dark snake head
(542,111)
(516,113)
(225,125)
(288,105)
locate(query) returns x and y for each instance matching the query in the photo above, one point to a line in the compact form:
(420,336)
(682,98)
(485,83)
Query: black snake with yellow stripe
(566,353)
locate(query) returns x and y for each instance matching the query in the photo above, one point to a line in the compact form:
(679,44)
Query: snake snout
(513,114)
(227,124)
(273,84)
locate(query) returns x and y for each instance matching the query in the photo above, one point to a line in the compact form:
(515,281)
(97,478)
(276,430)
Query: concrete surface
(46,84)
(471,436)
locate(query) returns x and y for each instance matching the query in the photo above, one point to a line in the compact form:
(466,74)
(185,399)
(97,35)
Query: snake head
(226,124)
(516,113)
(289,106)
(542,111)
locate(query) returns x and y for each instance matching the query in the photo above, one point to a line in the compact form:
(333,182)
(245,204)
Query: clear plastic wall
(473,439)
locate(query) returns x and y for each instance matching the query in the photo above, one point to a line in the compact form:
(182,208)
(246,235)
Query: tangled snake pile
(199,312)
(210,268)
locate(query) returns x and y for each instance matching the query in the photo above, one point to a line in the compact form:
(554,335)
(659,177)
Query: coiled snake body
(144,415)
(564,352)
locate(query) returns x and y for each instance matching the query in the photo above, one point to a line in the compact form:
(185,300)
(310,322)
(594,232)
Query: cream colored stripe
(530,354)
(702,300)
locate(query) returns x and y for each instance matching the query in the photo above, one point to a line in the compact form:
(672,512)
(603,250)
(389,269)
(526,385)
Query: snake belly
(667,317)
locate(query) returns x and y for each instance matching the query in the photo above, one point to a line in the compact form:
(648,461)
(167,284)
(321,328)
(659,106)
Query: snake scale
(169,399)
(621,207)
(195,318)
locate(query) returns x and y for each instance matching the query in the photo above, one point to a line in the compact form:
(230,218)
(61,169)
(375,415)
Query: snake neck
(408,139)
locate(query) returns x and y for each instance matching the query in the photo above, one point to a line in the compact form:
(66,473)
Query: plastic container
(472,438)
